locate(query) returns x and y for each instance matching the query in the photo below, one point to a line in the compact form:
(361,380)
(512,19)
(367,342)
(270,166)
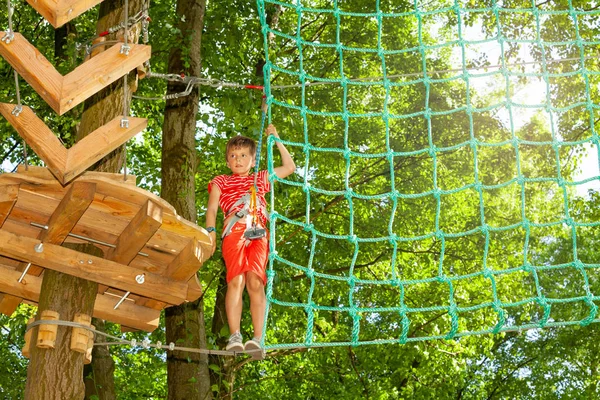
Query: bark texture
(57,374)
(99,375)
(98,110)
(187,373)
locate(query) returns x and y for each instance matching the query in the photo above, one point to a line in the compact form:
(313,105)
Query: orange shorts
(242,255)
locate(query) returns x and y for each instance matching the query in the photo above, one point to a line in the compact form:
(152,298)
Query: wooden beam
(137,233)
(44,173)
(186,263)
(70,209)
(128,313)
(34,68)
(68,164)
(194,288)
(37,135)
(62,93)
(57,13)
(8,198)
(100,71)
(9,303)
(99,143)
(92,268)
(72,206)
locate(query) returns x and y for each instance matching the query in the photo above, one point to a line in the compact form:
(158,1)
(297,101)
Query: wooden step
(68,164)
(62,93)
(59,12)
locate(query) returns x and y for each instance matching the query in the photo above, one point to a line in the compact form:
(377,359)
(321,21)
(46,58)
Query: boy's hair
(240,141)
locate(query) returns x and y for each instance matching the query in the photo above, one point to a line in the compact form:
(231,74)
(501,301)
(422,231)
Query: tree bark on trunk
(99,375)
(187,373)
(58,373)
(98,110)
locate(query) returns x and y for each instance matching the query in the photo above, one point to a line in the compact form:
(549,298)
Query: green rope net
(438,197)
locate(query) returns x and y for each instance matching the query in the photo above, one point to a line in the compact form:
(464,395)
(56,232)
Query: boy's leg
(233,253)
(234,302)
(256,292)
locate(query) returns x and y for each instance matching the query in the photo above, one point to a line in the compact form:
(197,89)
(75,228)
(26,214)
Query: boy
(245,240)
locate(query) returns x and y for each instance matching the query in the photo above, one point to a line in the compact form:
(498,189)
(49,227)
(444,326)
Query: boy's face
(240,161)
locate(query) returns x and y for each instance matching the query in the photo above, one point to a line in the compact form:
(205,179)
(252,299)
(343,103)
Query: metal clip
(125,49)
(124,123)
(17,110)
(8,37)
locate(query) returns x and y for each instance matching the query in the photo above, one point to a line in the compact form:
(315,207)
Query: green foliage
(548,363)
(12,364)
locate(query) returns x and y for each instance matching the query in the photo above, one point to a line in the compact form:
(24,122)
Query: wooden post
(26,348)
(90,347)
(46,337)
(80,336)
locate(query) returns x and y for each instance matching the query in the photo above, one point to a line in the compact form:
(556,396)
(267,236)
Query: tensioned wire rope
(452,310)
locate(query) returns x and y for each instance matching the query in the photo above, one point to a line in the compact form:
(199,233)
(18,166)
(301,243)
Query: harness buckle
(255,233)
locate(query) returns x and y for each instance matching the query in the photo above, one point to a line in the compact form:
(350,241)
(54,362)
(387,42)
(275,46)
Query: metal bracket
(8,37)
(17,110)
(125,49)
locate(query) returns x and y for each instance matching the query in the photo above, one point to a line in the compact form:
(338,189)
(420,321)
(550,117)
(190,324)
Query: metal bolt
(89,261)
(39,247)
(140,278)
(80,261)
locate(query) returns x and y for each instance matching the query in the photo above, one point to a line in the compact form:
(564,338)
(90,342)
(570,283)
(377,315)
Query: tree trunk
(218,322)
(99,375)
(58,373)
(187,373)
(98,110)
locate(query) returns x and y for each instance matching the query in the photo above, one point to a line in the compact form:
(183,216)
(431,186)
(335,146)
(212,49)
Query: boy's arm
(211,213)
(287,163)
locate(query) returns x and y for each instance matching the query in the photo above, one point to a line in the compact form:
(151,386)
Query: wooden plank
(128,313)
(39,137)
(194,288)
(9,303)
(73,205)
(43,173)
(99,143)
(57,13)
(64,218)
(34,68)
(92,268)
(98,72)
(62,93)
(8,198)
(186,263)
(141,228)
(68,164)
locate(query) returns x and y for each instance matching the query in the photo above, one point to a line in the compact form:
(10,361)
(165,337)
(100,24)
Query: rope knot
(308,227)
(527,268)
(484,228)
(488,274)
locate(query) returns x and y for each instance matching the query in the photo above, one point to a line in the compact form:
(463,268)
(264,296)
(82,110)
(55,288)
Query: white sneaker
(253,348)
(235,342)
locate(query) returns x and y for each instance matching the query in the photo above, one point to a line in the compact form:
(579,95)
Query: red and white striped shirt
(233,187)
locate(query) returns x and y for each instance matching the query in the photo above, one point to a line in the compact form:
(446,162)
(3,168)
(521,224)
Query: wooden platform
(62,93)
(59,12)
(67,164)
(145,235)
